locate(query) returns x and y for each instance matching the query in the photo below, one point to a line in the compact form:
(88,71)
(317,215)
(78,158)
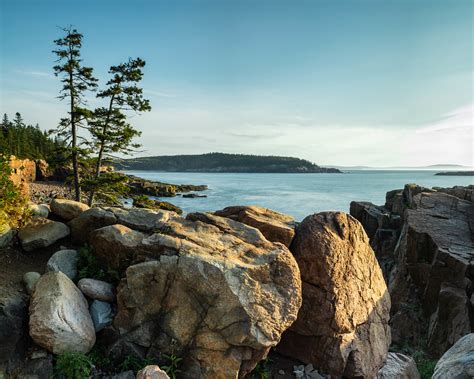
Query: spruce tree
(110,131)
(76,79)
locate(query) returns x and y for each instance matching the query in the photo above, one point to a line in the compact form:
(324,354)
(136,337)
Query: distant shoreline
(455,173)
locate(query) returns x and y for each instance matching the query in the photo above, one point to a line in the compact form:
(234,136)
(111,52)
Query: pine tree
(76,79)
(110,131)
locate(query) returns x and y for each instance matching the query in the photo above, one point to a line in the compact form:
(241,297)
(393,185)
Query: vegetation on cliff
(13,203)
(221,162)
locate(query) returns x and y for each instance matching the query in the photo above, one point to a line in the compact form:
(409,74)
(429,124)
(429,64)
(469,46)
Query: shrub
(172,368)
(13,204)
(73,366)
(89,267)
(261,371)
(144,201)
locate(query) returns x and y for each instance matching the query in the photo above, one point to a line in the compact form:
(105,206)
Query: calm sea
(297,194)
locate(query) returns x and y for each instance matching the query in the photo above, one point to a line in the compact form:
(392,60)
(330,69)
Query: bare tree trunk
(75,165)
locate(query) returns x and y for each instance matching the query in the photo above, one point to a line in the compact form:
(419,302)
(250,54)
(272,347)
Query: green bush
(73,366)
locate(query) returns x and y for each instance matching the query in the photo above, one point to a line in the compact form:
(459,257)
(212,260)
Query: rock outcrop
(67,209)
(116,245)
(428,260)
(59,317)
(217,294)
(276,227)
(41,232)
(342,326)
(458,361)
(23,171)
(88,221)
(398,366)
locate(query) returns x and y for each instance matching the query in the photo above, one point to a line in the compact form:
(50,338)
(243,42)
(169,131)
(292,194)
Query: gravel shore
(44,192)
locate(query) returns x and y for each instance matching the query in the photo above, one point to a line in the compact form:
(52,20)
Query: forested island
(221,162)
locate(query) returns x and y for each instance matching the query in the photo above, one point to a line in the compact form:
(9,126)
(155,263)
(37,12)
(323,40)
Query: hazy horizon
(346,83)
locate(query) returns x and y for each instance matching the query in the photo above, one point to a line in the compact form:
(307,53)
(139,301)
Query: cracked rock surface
(211,290)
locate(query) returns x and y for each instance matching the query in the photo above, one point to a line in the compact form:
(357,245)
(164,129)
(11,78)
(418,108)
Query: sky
(340,82)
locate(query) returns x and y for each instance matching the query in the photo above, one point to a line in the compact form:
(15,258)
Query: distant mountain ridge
(222,162)
(429,167)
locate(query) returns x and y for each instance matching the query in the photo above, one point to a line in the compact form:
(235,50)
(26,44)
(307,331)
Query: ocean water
(298,195)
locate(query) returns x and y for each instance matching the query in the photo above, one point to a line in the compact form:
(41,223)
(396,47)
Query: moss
(145,202)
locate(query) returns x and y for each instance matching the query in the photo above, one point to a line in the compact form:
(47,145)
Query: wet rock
(59,316)
(97,289)
(40,233)
(342,326)
(276,227)
(64,261)
(67,209)
(458,361)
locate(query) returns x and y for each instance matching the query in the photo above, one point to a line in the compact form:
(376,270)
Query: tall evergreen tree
(76,79)
(110,131)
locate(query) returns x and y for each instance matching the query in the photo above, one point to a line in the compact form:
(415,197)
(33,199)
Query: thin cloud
(458,119)
(34,73)
(158,94)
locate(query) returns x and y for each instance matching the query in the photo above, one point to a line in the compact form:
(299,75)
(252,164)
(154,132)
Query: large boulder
(88,221)
(40,233)
(218,294)
(67,209)
(276,227)
(145,220)
(458,361)
(59,317)
(398,366)
(38,210)
(116,245)
(342,326)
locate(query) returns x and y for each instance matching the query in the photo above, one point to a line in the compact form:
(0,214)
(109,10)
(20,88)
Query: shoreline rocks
(342,326)
(41,232)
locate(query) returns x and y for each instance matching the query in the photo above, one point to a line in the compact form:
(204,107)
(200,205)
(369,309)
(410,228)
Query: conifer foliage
(77,80)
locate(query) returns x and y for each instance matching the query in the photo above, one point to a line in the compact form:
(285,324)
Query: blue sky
(361,82)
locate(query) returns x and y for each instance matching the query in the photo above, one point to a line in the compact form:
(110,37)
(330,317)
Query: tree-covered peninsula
(221,162)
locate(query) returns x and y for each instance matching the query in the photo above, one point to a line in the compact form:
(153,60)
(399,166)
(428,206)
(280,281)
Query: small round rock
(97,289)
(30,279)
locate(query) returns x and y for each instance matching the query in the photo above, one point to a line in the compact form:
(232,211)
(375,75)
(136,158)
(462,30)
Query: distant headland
(221,162)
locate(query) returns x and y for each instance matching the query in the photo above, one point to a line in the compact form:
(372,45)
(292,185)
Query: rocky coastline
(243,291)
